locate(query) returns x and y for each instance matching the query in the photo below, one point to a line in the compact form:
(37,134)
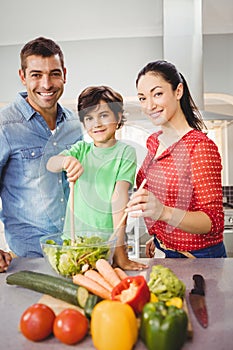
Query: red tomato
(36,323)
(70,326)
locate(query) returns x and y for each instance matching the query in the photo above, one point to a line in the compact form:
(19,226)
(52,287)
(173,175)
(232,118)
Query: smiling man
(32,129)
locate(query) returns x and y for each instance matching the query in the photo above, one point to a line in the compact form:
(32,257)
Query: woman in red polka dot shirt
(182,199)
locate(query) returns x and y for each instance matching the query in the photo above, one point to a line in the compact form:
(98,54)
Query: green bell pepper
(163,327)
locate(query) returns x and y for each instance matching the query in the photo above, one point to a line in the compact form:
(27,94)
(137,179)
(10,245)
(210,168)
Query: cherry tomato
(70,326)
(36,322)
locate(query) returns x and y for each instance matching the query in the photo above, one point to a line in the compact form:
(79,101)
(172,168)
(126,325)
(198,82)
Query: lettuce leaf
(69,260)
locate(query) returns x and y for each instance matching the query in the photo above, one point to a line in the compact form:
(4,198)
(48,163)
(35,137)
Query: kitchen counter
(218,274)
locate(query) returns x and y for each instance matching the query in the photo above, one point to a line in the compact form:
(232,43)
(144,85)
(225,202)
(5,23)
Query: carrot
(91,286)
(107,271)
(121,273)
(98,278)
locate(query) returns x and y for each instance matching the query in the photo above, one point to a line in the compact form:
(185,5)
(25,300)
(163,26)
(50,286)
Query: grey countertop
(218,274)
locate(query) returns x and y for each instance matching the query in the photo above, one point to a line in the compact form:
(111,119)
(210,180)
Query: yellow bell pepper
(175,301)
(153,298)
(113,326)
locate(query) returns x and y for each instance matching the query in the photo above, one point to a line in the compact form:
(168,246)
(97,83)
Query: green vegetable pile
(165,284)
(68,260)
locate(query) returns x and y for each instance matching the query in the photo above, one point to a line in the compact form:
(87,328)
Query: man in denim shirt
(32,129)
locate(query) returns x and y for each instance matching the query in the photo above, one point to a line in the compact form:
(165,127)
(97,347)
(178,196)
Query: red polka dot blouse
(187,175)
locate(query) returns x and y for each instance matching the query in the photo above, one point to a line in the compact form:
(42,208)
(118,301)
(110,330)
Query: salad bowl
(69,259)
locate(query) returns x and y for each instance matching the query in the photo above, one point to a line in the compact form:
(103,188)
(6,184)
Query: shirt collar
(29,112)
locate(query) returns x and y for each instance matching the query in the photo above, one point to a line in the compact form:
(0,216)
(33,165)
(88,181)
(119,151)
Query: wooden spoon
(72,226)
(54,165)
(124,215)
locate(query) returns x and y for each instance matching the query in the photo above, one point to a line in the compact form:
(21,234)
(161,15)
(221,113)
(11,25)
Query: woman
(182,200)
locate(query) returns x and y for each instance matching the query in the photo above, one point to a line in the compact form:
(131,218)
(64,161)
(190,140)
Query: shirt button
(32,154)
(60,181)
(62,200)
(62,219)
(55,143)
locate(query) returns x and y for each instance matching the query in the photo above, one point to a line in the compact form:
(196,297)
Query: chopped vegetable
(107,271)
(90,304)
(83,254)
(57,287)
(163,327)
(120,273)
(101,282)
(153,298)
(133,291)
(91,286)
(176,301)
(165,284)
(97,277)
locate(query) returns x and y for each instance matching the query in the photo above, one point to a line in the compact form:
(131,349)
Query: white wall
(230,158)
(108,41)
(218,63)
(104,61)
(104,42)
(78,20)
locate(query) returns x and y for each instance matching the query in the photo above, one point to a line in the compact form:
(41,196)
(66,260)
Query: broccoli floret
(165,284)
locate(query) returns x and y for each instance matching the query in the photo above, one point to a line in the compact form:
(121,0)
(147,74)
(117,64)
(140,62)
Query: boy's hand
(72,167)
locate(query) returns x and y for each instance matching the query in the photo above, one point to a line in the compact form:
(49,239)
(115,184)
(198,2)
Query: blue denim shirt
(33,199)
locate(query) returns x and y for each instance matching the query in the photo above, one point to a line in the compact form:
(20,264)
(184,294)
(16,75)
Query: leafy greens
(82,255)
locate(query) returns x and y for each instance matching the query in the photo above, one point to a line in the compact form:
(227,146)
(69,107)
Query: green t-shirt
(103,167)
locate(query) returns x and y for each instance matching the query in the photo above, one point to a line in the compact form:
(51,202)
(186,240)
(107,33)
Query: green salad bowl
(68,260)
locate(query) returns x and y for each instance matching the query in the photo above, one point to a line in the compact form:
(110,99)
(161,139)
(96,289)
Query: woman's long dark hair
(170,74)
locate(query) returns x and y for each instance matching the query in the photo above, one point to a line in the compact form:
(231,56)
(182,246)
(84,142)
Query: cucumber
(92,300)
(54,286)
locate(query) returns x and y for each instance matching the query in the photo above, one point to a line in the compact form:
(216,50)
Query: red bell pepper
(132,290)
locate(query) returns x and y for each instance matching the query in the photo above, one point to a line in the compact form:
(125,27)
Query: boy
(107,168)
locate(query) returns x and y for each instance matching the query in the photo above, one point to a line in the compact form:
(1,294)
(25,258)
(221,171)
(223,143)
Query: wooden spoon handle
(72,228)
(125,215)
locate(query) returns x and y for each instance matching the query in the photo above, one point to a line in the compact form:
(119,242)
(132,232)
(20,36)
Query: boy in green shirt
(105,170)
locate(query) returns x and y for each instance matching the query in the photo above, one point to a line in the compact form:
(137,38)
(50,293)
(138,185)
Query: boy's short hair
(40,47)
(91,97)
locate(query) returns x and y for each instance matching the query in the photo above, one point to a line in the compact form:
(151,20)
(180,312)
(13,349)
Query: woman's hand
(72,167)
(5,260)
(144,203)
